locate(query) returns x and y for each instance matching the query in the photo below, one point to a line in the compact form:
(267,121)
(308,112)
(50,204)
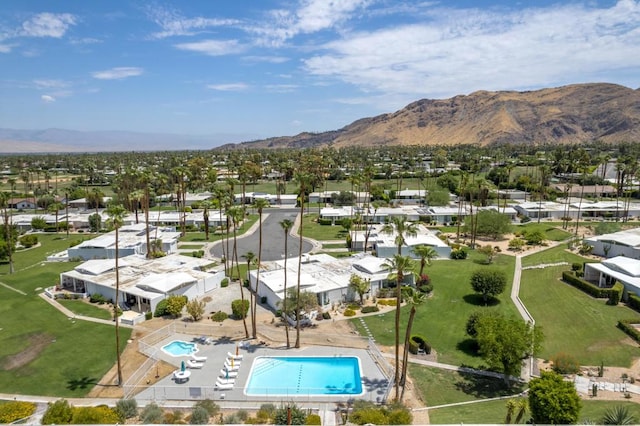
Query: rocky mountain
(568,114)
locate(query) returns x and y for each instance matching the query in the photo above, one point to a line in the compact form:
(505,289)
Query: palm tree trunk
(397,330)
(405,357)
(255,299)
(235,257)
(284,303)
(115,313)
(297,345)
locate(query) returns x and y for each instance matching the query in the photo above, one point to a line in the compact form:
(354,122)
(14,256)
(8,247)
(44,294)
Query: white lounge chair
(231,374)
(235,366)
(221,386)
(198,358)
(194,364)
(235,360)
(235,357)
(225,381)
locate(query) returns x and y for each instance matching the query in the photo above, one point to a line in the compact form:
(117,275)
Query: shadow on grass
(469,347)
(82,383)
(478,300)
(486,387)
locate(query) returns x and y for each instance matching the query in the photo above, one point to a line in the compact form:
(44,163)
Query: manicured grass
(190,246)
(552,230)
(575,323)
(442,318)
(553,255)
(595,410)
(487,412)
(74,354)
(80,307)
(199,236)
(311,229)
(438,387)
(334,246)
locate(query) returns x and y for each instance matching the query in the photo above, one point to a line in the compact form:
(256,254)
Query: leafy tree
(195,308)
(535,238)
(505,342)
(438,197)
(240,308)
(618,415)
(94,222)
(343,198)
(59,412)
(304,301)
(488,282)
(491,223)
(489,252)
(38,222)
(199,416)
(553,400)
(359,285)
(175,304)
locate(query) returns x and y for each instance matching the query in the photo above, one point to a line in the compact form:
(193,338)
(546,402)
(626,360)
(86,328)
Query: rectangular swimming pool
(292,376)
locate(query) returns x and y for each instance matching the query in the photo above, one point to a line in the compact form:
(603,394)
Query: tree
(286,225)
(488,282)
(425,253)
(260,204)
(94,222)
(504,342)
(360,286)
(116,213)
(414,299)
(236,214)
(491,223)
(304,180)
(175,304)
(489,251)
(195,308)
(38,222)
(553,400)
(10,232)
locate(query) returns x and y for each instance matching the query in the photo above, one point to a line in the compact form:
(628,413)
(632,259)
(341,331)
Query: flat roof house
(619,268)
(385,247)
(623,243)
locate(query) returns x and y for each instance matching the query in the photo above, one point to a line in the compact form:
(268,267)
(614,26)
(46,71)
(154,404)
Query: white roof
(628,237)
(99,266)
(625,265)
(165,283)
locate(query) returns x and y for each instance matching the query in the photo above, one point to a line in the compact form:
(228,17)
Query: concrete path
(70,314)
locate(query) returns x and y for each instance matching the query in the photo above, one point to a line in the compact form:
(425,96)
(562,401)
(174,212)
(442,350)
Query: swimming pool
(293,376)
(180,348)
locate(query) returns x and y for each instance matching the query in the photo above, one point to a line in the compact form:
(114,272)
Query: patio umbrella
(231,362)
(182,366)
(237,349)
(226,373)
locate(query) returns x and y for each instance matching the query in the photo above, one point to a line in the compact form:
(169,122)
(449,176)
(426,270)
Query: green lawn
(191,237)
(493,412)
(553,255)
(80,307)
(311,229)
(552,230)
(442,318)
(42,352)
(574,322)
(191,246)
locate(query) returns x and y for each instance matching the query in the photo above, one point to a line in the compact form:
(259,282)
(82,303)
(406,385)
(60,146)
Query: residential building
(623,243)
(620,268)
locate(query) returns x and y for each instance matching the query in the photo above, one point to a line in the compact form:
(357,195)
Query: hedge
(16,410)
(416,342)
(593,290)
(615,293)
(634,302)
(323,221)
(627,327)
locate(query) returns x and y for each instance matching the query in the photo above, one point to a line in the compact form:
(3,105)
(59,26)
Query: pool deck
(201,383)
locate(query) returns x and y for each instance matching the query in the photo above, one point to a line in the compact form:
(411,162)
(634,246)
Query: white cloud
(281,88)
(229,87)
(47,99)
(5,48)
(50,84)
(47,25)
(174,24)
(117,73)
(85,41)
(268,59)
(459,51)
(213,47)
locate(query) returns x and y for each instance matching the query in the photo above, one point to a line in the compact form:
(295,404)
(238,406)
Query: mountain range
(568,114)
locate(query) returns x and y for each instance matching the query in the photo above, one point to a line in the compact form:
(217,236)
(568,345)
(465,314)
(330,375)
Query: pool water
(180,348)
(305,376)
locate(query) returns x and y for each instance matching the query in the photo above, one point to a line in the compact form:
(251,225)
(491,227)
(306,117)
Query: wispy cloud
(213,47)
(47,25)
(50,84)
(462,50)
(268,59)
(229,87)
(173,23)
(118,73)
(281,88)
(5,48)
(47,99)
(84,41)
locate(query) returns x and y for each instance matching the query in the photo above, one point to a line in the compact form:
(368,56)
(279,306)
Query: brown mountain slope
(568,114)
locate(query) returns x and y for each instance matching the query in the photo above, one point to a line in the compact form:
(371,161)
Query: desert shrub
(239,308)
(16,410)
(564,363)
(298,416)
(59,412)
(29,240)
(398,414)
(458,254)
(369,309)
(151,413)
(97,298)
(219,316)
(101,414)
(353,306)
(127,408)
(232,419)
(199,416)
(148,315)
(161,309)
(224,283)
(365,412)
(324,221)
(313,419)
(266,411)
(326,315)
(211,407)
(349,312)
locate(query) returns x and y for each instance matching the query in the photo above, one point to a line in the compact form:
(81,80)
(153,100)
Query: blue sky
(264,68)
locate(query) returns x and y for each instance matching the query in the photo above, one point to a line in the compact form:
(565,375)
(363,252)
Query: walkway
(70,314)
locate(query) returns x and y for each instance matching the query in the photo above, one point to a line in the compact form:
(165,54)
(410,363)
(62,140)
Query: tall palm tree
(416,298)
(250,257)
(116,215)
(426,254)
(401,265)
(8,227)
(304,180)
(236,213)
(259,204)
(286,225)
(205,218)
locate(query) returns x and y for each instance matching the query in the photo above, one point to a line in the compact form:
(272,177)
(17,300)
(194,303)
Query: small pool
(293,376)
(180,348)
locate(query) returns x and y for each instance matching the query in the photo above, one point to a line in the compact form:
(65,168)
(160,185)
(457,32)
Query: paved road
(272,237)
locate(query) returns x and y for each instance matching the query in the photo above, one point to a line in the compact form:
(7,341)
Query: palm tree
(8,227)
(286,225)
(236,213)
(400,264)
(116,215)
(425,253)
(259,205)
(205,218)
(416,298)
(250,257)
(304,180)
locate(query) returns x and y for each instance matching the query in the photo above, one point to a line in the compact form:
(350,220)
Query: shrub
(349,312)
(576,266)
(59,412)
(353,306)
(324,221)
(266,412)
(418,342)
(313,419)
(197,253)
(101,414)
(425,288)
(593,290)
(615,293)
(564,363)
(16,410)
(281,414)
(148,315)
(369,309)
(127,408)
(628,327)
(151,414)
(219,316)
(458,254)
(224,283)
(29,240)
(326,315)
(239,308)
(634,302)
(161,309)
(211,407)
(97,298)
(199,416)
